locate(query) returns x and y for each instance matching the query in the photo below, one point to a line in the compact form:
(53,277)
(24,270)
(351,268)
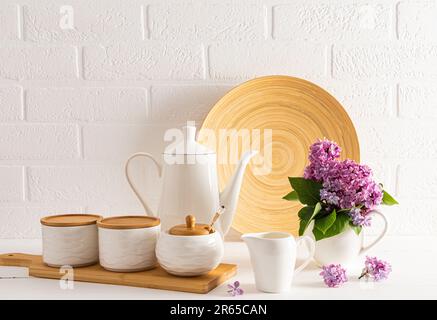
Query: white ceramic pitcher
(273,258)
(345,247)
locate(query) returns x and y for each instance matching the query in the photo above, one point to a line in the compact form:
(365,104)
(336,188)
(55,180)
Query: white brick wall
(11,108)
(417,20)
(94,22)
(9,22)
(424,98)
(68,105)
(341,20)
(124,140)
(76,183)
(173,103)
(11,188)
(143,61)
(391,60)
(206,21)
(74,103)
(268,57)
(38,142)
(25,62)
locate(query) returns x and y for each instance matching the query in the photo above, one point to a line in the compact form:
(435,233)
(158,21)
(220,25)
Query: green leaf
(337,227)
(323,224)
(308,190)
(387,199)
(303,224)
(292,196)
(306,214)
(357,229)
(318,235)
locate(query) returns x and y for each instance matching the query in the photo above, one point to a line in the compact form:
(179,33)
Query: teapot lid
(190,228)
(188,145)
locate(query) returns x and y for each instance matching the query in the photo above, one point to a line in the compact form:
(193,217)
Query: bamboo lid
(70,220)
(190,228)
(128,222)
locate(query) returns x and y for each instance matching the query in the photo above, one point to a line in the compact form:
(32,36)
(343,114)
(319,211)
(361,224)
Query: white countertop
(414,276)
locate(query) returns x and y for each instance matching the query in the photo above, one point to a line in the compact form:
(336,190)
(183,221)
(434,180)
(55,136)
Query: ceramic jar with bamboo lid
(127,243)
(70,239)
(190,249)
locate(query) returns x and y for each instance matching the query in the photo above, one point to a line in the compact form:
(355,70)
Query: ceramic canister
(127,243)
(70,239)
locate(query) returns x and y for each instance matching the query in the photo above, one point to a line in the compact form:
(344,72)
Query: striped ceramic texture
(128,250)
(74,246)
(189,255)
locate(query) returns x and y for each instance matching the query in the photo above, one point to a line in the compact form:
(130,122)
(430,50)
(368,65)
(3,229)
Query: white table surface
(414,276)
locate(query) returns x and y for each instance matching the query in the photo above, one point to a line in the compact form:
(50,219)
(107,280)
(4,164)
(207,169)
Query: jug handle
(384,231)
(149,212)
(311,253)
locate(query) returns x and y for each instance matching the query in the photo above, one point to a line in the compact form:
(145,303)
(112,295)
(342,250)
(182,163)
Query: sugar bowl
(190,249)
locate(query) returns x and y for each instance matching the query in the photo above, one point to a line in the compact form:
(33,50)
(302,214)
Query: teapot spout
(229,196)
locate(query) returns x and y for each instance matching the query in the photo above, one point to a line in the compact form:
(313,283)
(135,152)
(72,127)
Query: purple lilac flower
(346,184)
(329,197)
(333,275)
(324,150)
(234,289)
(353,183)
(318,170)
(360,218)
(375,268)
(322,157)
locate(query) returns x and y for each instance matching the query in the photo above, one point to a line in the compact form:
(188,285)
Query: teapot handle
(384,231)
(312,243)
(149,212)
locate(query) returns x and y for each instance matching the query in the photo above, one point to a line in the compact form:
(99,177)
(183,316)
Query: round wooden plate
(298,112)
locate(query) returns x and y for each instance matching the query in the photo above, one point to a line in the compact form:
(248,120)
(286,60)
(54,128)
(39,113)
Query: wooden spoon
(217,215)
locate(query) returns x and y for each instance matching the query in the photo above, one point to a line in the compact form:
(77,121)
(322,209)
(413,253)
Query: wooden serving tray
(156,278)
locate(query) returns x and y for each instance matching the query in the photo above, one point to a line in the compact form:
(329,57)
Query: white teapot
(190,184)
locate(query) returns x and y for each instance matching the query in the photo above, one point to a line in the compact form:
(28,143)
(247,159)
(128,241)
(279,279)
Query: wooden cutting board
(156,278)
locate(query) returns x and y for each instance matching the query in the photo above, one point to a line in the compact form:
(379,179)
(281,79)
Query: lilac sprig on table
(333,275)
(234,289)
(375,269)
(335,193)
